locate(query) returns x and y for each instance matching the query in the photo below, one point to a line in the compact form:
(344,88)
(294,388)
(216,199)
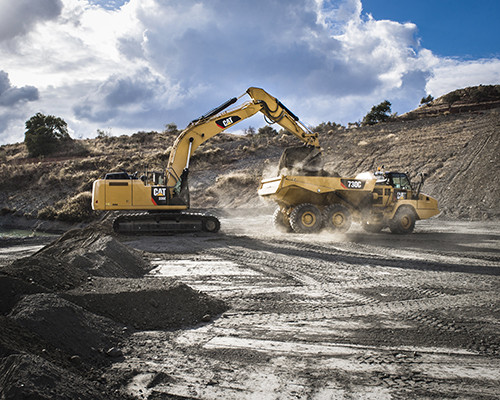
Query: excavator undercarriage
(157,223)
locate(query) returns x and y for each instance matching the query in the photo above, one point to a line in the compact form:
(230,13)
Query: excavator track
(164,223)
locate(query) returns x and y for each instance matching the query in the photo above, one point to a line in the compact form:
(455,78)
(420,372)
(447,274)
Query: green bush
(44,133)
(378,113)
(426,100)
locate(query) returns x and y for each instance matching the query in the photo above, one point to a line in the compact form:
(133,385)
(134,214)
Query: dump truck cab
(398,204)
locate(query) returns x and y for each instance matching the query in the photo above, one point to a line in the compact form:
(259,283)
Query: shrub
(77,208)
(378,113)
(267,131)
(171,128)
(426,100)
(44,133)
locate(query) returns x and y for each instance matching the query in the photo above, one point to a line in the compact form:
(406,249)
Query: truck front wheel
(403,221)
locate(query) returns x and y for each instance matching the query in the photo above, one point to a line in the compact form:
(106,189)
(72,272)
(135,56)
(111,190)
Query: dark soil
(25,376)
(146,303)
(66,309)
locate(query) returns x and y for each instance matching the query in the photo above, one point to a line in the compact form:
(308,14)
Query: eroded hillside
(457,146)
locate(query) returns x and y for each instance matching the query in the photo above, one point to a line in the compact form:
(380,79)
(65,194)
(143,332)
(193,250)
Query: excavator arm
(217,120)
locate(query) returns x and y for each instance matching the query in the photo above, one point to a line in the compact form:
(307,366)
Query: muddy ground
(251,313)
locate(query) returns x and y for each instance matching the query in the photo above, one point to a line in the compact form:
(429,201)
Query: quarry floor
(354,316)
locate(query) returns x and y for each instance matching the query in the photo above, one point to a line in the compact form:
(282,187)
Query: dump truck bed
(291,190)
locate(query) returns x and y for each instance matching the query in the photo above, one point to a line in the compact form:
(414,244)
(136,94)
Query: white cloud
(450,74)
(140,64)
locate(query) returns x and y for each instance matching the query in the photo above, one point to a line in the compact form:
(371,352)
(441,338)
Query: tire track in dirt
(314,321)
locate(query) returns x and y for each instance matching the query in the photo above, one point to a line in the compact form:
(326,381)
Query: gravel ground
(319,316)
(251,313)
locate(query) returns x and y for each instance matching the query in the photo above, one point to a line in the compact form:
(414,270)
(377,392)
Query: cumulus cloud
(9,95)
(449,72)
(139,64)
(119,97)
(18,17)
(12,104)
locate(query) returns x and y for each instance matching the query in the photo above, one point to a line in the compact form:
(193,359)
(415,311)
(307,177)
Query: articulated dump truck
(307,204)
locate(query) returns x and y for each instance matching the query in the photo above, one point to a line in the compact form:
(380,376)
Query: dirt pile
(146,303)
(75,257)
(66,310)
(25,376)
(69,327)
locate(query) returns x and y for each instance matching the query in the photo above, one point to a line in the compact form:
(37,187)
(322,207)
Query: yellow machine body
(336,201)
(131,194)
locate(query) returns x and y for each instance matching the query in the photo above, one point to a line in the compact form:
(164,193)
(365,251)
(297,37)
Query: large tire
(337,218)
(281,221)
(403,221)
(306,218)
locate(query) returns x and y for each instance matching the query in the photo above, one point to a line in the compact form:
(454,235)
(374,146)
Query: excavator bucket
(301,160)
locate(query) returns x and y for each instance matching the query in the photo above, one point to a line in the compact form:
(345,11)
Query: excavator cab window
(158,178)
(117,175)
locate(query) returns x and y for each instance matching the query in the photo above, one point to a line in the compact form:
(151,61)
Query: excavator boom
(217,120)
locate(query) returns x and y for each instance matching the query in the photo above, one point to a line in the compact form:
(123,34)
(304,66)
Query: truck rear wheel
(306,218)
(280,221)
(337,218)
(403,221)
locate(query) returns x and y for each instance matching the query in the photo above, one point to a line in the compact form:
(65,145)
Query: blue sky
(126,66)
(450,28)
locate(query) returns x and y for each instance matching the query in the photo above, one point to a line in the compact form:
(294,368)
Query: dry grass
(73,209)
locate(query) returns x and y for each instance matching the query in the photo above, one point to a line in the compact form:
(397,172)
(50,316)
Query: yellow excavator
(160,200)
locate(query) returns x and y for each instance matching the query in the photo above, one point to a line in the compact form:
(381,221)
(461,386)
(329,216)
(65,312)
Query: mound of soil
(146,303)
(67,326)
(75,257)
(55,343)
(11,291)
(25,376)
